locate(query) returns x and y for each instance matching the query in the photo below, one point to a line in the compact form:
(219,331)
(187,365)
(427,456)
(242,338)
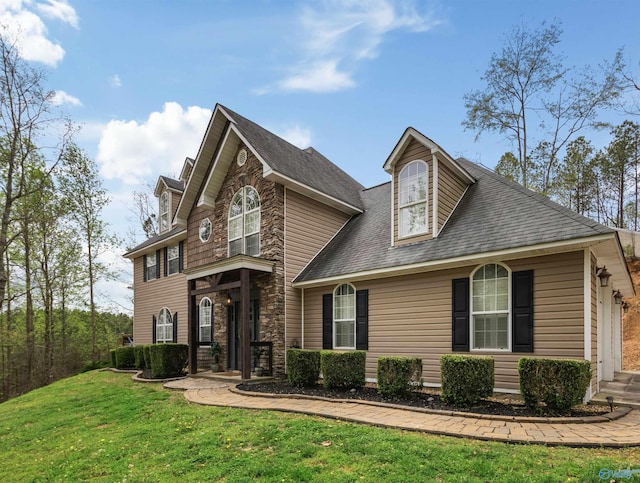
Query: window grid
(151,266)
(490,308)
(164,211)
(205,320)
(344,317)
(412,199)
(173,259)
(244,222)
(164,326)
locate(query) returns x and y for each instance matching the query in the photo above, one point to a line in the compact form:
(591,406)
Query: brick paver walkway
(623,431)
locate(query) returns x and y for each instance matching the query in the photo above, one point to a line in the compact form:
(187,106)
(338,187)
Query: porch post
(192,330)
(244,316)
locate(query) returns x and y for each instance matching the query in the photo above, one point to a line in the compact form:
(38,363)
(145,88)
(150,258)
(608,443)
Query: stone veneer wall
(271,286)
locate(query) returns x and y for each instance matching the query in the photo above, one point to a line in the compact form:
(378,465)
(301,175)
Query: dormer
(427,185)
(169,192)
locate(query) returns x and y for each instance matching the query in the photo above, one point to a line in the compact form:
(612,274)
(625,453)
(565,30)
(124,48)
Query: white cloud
(339,35)
(59,10)
(297,135)
(61,97)
(115,81)
(131,151)
(25,27)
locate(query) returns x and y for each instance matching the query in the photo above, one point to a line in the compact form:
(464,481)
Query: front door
(234,331)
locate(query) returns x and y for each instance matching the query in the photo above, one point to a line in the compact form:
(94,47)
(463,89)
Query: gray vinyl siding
(309,225)
(411,315)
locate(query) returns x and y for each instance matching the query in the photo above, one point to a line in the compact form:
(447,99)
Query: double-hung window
(173,259)
(164,326)
(205,320)
(344,317)
(150,268)
(413,184)
(490,307)
(164,211)
(244,222)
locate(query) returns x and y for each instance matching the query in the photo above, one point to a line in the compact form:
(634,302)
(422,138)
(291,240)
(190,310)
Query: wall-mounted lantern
(617,296)
(604,276)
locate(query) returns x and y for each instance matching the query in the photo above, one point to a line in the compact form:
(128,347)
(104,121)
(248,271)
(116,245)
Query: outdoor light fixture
(228,299)
(610,401)
(617,296)
(604,276)
(625,307)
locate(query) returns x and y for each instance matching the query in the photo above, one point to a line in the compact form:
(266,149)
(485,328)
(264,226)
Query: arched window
(164,211)
(490,307)
(164,326)
(344,317)
(413,183)
(205,320)
(244,222)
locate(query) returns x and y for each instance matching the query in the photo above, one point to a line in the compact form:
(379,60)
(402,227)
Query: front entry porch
(234,278)
(624,388)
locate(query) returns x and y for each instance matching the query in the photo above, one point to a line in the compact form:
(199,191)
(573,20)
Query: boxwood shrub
(343,370)
(168,360)
(146,351)
(112,353)
(399,375)
(125,358)
(139,356)
(466,379)
(303,367)
(559,383)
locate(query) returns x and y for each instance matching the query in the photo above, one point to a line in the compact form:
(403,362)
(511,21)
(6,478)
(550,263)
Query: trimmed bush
(466,379)
(345,370)
(303,367)
(125,358)
(398,375)
(559,383)
(139,355)
(112,353)
(168,360)
(146,352)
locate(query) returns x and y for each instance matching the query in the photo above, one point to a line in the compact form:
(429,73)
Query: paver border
(619,412)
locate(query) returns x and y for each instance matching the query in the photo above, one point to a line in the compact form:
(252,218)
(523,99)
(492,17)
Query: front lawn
(101,426)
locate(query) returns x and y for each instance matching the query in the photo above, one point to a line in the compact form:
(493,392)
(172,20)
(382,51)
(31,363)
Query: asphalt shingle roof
(155,239)
(306,166)
(173,184)
(494,214)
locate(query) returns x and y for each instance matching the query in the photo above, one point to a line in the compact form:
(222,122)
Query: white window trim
(206,220)
(164,214)
(200,324)
(415,203)
(473,313)
(169,259)
(147,266)
(334,319)
(168,323)
(243,217)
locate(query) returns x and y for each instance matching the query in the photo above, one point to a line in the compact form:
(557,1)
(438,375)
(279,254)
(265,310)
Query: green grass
(100,426)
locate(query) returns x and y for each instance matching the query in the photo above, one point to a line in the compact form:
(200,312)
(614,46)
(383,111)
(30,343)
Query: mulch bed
(504,405)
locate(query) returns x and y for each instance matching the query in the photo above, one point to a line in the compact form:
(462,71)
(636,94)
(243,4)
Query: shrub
(139,356)
(398,375)
(168,360)
(112,353)
(146,351)
(343,369)
(125,358)
(466,379)
(559,383)
(303,367)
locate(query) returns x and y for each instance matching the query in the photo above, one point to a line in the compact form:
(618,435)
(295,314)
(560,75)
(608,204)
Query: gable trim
(432,265)
(182,235)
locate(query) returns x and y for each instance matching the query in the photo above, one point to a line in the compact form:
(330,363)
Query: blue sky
(346,77)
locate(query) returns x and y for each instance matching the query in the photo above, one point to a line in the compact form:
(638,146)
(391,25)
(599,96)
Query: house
(264,246)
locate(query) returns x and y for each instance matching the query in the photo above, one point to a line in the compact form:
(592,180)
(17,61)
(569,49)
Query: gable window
(164,326)
(490,308)
(150,266)
(205,320)
(244,222)
(205,230)
(173,259)
(412,199)
(344,317)
(164,211)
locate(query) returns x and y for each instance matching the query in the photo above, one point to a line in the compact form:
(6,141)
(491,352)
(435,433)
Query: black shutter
(522,311)
(153,329)
(144,268)
(158,264)
(175,328)
(166,260)
(327,321)
(362,320)
(181,256)
(460,315)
